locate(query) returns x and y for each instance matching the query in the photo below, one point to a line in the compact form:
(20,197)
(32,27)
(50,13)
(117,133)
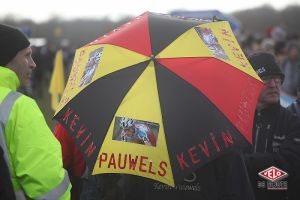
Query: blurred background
(67,25)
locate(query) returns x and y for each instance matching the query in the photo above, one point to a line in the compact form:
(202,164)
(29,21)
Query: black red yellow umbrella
(159,97)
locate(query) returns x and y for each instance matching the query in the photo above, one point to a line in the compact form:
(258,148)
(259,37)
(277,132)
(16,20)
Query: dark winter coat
(276,142)
(6,188)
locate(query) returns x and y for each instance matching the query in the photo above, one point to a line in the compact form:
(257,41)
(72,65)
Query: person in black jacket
(6,188)
(276,136)
(295,109)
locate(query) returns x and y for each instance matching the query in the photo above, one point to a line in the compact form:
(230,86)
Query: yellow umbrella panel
(143,150)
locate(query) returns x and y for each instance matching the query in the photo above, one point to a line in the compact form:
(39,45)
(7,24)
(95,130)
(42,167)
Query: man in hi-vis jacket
(32,153)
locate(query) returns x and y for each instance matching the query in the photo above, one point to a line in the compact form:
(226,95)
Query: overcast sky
(41,10)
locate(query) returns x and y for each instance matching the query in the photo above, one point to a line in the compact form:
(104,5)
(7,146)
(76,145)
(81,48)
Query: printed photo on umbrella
(212,42)
(91,66)
(135,131)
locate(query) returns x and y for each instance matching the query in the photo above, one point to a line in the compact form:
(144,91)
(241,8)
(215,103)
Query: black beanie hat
(12,41)
(265,65)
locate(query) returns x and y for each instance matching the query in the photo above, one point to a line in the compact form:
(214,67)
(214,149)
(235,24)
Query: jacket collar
(9,79)
(270,109)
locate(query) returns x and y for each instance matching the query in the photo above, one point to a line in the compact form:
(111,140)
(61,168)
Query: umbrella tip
(152,57)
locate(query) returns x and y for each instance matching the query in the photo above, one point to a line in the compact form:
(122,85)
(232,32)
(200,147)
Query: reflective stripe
(5,108)
(58,191)
(20,195)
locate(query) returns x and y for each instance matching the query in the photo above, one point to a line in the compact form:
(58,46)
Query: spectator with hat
(276,133)
(31,152)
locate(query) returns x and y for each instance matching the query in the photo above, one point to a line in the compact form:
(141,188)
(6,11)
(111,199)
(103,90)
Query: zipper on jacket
(267,139)
(258,127)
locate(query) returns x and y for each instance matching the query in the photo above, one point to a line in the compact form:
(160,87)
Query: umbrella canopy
(159,97)
(210,14)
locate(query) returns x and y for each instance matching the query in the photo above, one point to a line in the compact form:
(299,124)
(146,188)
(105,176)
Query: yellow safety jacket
(33,153)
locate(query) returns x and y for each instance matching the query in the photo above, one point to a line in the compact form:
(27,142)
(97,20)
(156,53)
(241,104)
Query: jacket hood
(9,79)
